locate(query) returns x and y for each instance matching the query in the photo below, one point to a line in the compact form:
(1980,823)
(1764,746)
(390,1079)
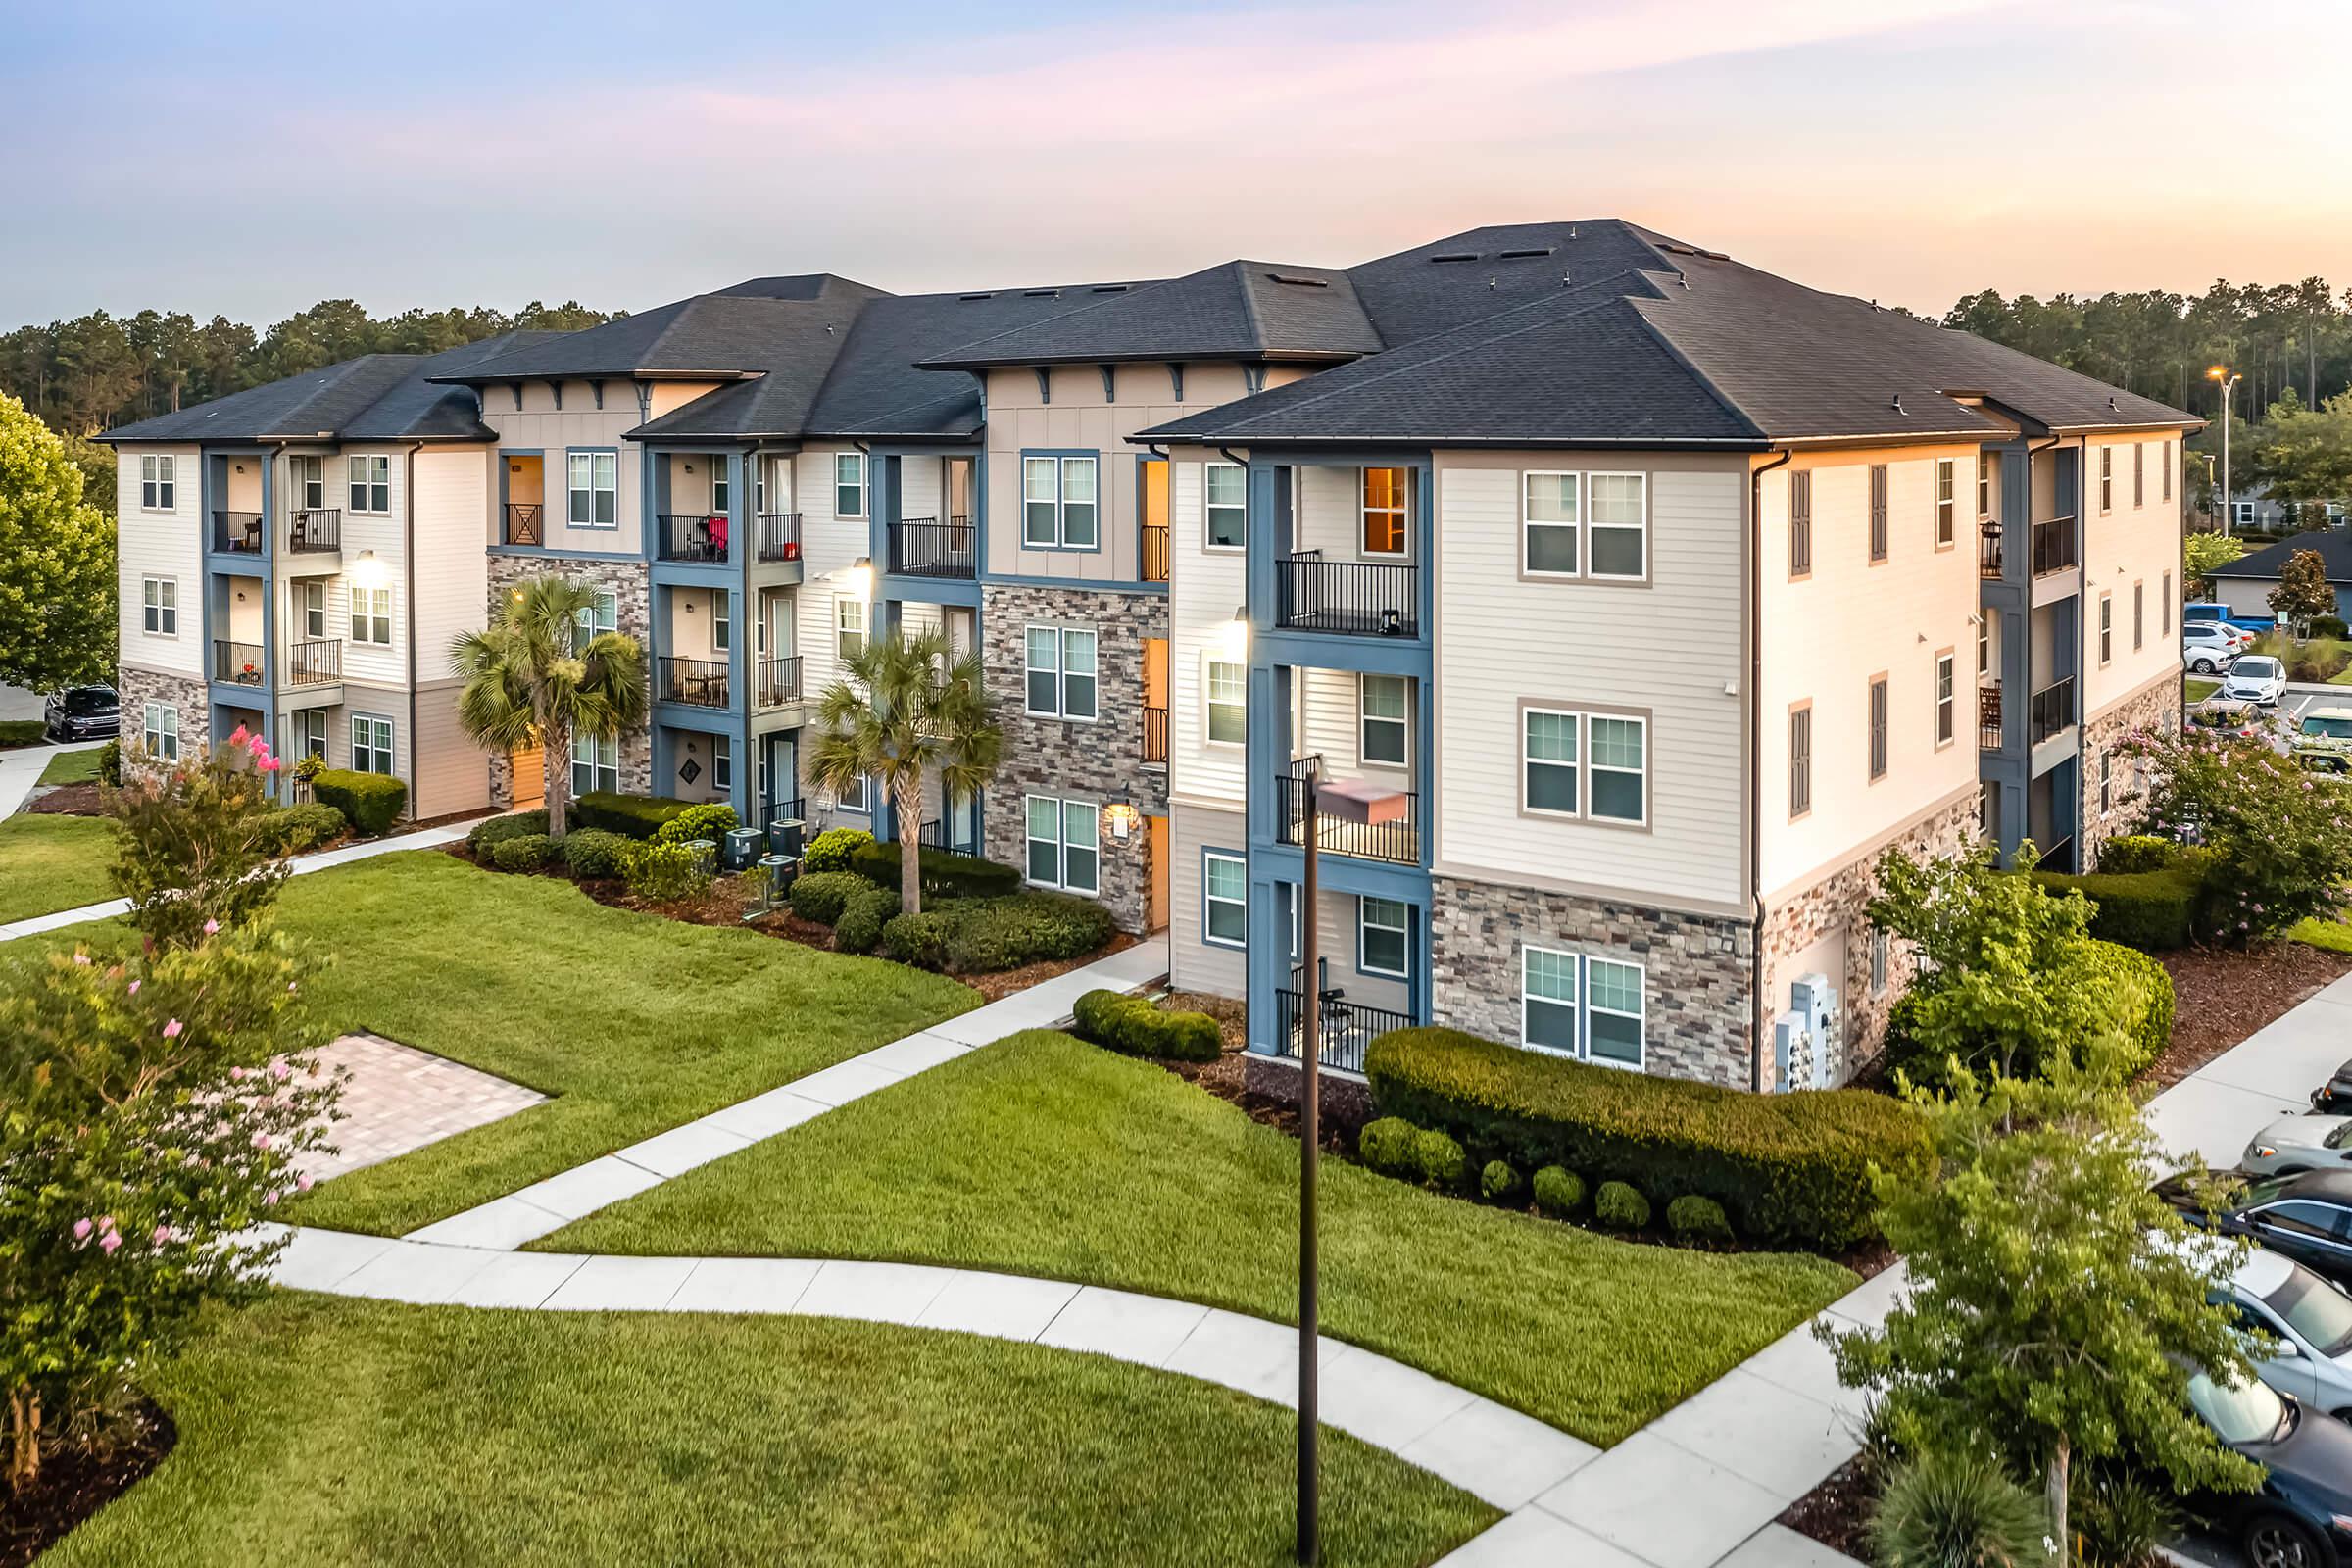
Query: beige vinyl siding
(1194,965)
(830,546)
(455,488)
(453,774)
(161,544)
(540,424)
(1204,590)
(376,701)
(386,534)
(2126,546)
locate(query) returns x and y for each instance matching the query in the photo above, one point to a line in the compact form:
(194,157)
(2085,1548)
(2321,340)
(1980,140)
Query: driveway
(2212,1113)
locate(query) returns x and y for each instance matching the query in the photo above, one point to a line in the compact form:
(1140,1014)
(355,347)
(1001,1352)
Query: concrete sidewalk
(2211,1113)
(20,770)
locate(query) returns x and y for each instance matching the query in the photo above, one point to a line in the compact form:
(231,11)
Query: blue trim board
(956,591)
(1091,585)
(1060,503)
(567,555)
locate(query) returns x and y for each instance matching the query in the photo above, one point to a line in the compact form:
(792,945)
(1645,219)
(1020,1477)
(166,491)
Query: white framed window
(309,475)
(371,616)
(1224,900)
(1618,788)
(310,732)
(1548,761)
(1060,672)
(1877,960)
(1551,520)
(594,620)
(1985,645)
(1593,765)
(595,764)
(1948,699)
(2106,782)
(2106,627)
(1226,689)
(310,604)
(158,485)
(1616,1012)
(594,481)
(1383,509)
(1592,1007)
(722,488)
(1549,995)
(370,482)
(1617,535)
(159,606)
(723,620)
(723,763)
(1061,504)
(859,798)
(848,626)
(1226,489)
(159,731)
(1987,465)
(371,744)
(848,484)
(1946,503)
(2106,478)
(2245,512)
(1385,703)
(1382,935)
(1064,844)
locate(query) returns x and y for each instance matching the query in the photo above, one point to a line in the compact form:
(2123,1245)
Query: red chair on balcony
(717,530)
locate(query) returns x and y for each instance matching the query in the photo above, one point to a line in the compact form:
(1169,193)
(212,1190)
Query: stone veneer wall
(136,688)
(1697,969)
(1797,920)
(2155,708)
(1101,762)
(629,582)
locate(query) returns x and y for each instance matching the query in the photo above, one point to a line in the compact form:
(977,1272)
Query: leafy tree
(2303,592)
(2054,1306)
(910,707)
(2278,837)
(529,680)
(2302,454)
(57,563)
(2200,553)
(191,850)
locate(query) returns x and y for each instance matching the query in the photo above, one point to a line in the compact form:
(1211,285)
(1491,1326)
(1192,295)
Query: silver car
(2310,1317)
(2292,1145)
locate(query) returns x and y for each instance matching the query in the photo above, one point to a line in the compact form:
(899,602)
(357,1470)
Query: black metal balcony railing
(237,532)
(2054,547)
(315,530)
(778,536)
(1397,841)
(940,834)
(525,524)
(315,661)
(242,663)
(1989,548)
(698,682)
(1155,553)
(1156,734)
(1344,1028)
(2053,710)
(694,536)
(1988,716)
(925,546)
(779,683)
(1353,597)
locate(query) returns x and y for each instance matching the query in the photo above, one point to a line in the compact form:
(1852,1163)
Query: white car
(2256,678)
(2293,1145)
(2207,647)
(2310,1317)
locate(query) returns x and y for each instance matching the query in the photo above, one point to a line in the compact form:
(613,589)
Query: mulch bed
(66,800)
(2223,994)
(1837,1513)
(76,1483)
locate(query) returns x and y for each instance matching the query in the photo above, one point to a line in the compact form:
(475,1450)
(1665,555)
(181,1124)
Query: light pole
(2227,380)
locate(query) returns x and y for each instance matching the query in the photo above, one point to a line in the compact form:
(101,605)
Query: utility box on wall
(1806,1050)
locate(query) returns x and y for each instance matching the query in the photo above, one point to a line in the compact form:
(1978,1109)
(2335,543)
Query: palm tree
(911,706)
(528,683)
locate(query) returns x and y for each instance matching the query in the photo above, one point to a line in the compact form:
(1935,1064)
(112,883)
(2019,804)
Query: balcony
(2052,711)
(238,533)
(937,834)
(315,530)
(694,682)
(1349,598)
(2055,547)
(315,661)
(1988,549)
(240,663)
(1155,553)
(1344,1028)
(1989,717)
(693,536)
(925,546)
(1156,736)
(525,524)
(777,536)
(778,682)
(1394,835)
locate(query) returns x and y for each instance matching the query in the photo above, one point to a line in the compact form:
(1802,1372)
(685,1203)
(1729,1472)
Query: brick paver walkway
(398,1098)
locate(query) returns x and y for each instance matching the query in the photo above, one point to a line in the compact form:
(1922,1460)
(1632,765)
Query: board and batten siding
(1671,648)
(166,542)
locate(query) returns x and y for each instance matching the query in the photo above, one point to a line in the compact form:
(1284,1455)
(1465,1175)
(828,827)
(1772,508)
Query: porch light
(861,576)
(1236,633)
(1121,818)
(368,570)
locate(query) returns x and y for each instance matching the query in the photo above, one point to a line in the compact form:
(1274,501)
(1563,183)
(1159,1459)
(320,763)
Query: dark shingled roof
(2334,546)
(1233,310)
(773,326)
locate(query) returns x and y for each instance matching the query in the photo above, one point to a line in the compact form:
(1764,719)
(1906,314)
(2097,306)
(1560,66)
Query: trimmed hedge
(1559,1192)
(920,939)
(1621,1206)
(1026,928)
(1137,1028)
(591,851)
(298,828)
(632,816)
(944,873)
(2129,854)
(371,801)
(1787,1167)
(863,918)
(1697,1220)
(485,836)
(1391,1145)
(705,820)
(2152,911)
(524,852)
(1443,1161)
(830,851)
(821,895)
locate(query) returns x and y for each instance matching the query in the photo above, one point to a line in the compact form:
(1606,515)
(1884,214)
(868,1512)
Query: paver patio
(398,1099)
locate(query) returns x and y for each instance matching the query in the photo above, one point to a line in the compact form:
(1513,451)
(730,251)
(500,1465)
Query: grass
(49,863)
(317,1431)
(2343,677)
(1043,1156)
(22,732)
(72,767)
(2196,688)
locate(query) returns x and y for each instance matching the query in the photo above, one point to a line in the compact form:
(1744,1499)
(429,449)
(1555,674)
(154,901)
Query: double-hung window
(1585,524)
(2106,627)
(722,488)
(1800,522)
(723,763)
(2139,473)
(310,482)
(1384,702)
(370,484)
(1878,727)
(371,744)
(371,616)
(723,620)
(156,483)
(1617,542)
(1946,503)
(2106,478)
(1224,900)
(1227,490)
(1593,765)
(1064,844)
(1553,517)
(159,606)
(1592,1007)
(1987,465)
(591,621)
(1618,769)
(310,732)
(595,489)
(1384,494)
(1062,672)
(1800,760)
(1948,699)
(159,732)
(848,626)
(1383,929)
(848,484)
(1060,503)
(1877,510)
(1549,763)
(310,601)
(1226,689)
(595,764)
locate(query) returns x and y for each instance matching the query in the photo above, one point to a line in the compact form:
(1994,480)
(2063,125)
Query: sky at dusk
(250,159)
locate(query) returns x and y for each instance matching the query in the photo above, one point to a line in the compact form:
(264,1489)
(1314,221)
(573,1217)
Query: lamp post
(2227,380)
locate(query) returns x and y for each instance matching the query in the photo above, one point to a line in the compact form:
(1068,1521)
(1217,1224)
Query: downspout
(407,566)
(1755,736)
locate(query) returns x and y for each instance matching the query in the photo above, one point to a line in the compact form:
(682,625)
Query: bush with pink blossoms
(192,850)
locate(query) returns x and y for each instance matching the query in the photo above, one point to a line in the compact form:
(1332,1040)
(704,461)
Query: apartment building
(1620,602)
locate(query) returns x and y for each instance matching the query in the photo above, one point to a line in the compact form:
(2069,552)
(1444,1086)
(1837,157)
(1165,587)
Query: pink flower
(236,1075)
(240,737)
(107,1243)
(272,1196)
(171,1030)
(303,1182)
(163,1234)
(106,1222)
(212,928)
(81,1229)
(260,1140)
(280,1071)
(81,959)
(135,989)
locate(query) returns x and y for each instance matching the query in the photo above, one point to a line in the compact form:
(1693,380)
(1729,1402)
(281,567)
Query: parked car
(2302,1515)
(2323,739)
(2201,612)
(2293,1145)
(82,714)
(2309,1318)
(2306,1217)
(2209,648)
(2255,679)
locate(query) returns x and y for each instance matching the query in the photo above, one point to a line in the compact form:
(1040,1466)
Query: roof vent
(1296,282)
(1533,250)
(976,296)
(2112,406)
(1898,405)
(1041,293)
(1456,256)
(1111,288)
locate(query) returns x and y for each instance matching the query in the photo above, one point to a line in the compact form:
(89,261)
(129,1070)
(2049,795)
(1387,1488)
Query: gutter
(408,568)
(1755,732)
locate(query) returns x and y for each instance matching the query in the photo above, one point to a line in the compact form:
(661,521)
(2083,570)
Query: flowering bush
(2280,836)
(194,846)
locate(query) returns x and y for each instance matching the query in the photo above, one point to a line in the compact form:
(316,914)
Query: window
(595,481)
(723,620)
(1800,762)
(310,482)
(723,489)
(1620,526)
(157,488)
(1062,672)
(1983,645)
(1877,511)
(1987,465)
(2106,478)
(2139,473)
(2244,511)
(1224,900)
(1878,961)
(1384,494)
(1549,761)
(854,798)
(1550,515)
(595,620)
(1059,503)
(723,763)
(2106,627)
(1618,767)
(1228,498)
(1381,926)
(2139,615)
(1800,523)
(1064,847)
(371,744)
(371,616)
(1383,701)
(1589,1008)
(760,485)
(371,484)
(1878,727)
(310,732)
(848,626)
(2163,461)
(595,764)
(2167,603)
(159,606)
(1945,503)
(1227,687)
(2106,782)
(159,732)
(1590,764)
(1948,699)
(1614,1011)
(1548,999)
(309,605)
(848,484)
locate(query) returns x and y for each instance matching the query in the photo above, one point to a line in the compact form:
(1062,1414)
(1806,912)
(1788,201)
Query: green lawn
(1044,1155)
(72,767)
(2196,688)
(49,863)
(318,1431)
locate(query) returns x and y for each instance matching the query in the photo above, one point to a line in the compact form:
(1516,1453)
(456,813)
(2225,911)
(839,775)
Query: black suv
(2307,1217)
(82,714)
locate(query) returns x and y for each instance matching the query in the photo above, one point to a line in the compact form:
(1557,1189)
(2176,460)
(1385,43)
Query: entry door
(1156,911)
(530,777)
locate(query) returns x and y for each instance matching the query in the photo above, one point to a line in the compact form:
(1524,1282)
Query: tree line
(99,371)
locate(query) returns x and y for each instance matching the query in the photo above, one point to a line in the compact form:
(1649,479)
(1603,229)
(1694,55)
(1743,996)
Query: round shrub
(2108,963)
(1697,1220)
(820,896)
(527,852)
(1559,1191)
(1027,928)
(662,874)
(371,801)
(863,918)
(1620,1208)
(591,851)
(920,939)
(1391,1145)
(1947,1506)
(832,849)
(297,829)
(709,819)
(485,836)
(110,764)
(1498,1181)
(1443,1161)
